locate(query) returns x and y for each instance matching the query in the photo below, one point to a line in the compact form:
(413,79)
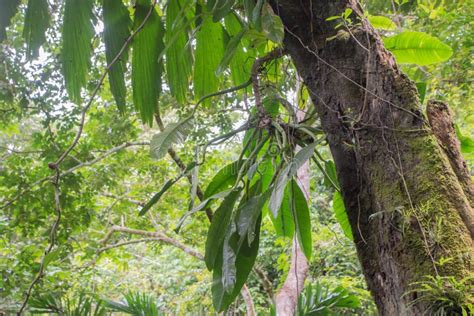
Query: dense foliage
(124,127)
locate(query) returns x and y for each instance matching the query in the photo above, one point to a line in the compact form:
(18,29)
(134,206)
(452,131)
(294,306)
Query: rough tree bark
(406,205)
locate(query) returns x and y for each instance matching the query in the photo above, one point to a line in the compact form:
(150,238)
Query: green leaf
(331,176)
(421,87)
(219,8)
(146,65)
(247,216)
(168,184)
(209,53)
(36,23)
(77,34)
(241,63)
(341,214)
(9,8)
(467,143)
(223,179)
(117,24)
(417,48)
(288,172)
(244,258)
(230,51)
(174,133)
(300,211)
(217,230)
(53,255)
(178,53)
(382,22)
(271,25)
(284,222)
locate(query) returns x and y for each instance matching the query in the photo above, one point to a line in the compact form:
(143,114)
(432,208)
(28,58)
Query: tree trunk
(409,214)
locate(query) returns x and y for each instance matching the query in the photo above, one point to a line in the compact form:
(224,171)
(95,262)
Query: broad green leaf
(50,257)
(9,8)
(244,261)
(117,25)
(382,22)
(421,87)
(272,26)
(209,53)
(178,54)
(330,179)
(247,216)
(230,51)
(174,133)
(241,63)
(417,48)
(467,143)
(77,34)
(257,14)
(284,222)
(217,230)
(223,179)
(287,173)
(219,8)
(146,66)
(300,211)
(341,214)
(36,23)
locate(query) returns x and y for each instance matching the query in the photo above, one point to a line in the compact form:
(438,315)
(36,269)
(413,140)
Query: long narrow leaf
(209,53)
(76,52)
(178,53)
(9,8)
(117,24)
(36,23)
(146,66)
(219,224)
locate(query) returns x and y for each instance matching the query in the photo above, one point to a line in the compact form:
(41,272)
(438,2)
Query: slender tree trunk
(407,208)
(287,298)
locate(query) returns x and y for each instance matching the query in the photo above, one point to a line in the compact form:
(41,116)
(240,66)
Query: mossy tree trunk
(409,213)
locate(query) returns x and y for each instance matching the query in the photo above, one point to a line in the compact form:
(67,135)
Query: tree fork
(403,198)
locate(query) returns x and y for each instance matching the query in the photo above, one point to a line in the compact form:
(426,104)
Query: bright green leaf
(209,53)
(36,23)
(219,8)
(300,211)
(77,34)
(382,22)
(146,66)
(178,53)
(223,179)
(341,214)
(417,48)
(117,25)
